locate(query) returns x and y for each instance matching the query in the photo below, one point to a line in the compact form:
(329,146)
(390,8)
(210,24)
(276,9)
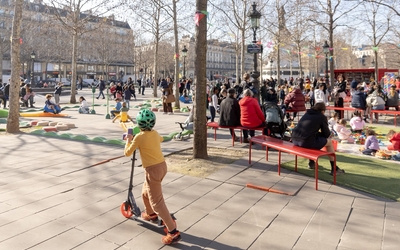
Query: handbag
(342,95)
(169,98)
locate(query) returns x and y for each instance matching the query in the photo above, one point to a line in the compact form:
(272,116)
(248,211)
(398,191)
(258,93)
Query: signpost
(254,48)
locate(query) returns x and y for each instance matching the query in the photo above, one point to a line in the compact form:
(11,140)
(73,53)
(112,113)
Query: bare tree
(330,15)
(152,17)
(391,4)
(379,23)
(13,115)
(276,26)
(200,130)
(235,14)
(70,14)
(298,27)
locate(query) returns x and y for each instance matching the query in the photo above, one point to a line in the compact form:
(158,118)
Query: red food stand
(363,75)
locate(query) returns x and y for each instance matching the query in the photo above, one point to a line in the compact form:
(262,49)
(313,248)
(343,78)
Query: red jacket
(296,100)
(250,112)
(395,140)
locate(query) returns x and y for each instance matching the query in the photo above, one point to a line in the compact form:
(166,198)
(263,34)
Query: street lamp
(326,51)
(271,62)
(33,55)
(255,24)
(184,54)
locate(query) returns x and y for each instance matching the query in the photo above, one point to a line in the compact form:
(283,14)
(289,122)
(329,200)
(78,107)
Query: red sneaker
(147,217)
(171,238)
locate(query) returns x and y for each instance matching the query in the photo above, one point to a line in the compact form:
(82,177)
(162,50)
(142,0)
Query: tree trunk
(74,73)
(155,78)
(13,115)
(176,38)
(242,55)
(200,130)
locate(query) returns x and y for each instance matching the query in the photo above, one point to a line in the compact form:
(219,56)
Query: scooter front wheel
(126,209)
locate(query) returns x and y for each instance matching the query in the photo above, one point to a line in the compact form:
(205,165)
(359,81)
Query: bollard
(108,97)
(93,91)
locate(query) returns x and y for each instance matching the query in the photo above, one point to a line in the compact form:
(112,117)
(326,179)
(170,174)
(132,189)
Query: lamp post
(255,24)
(271,62)
(184,54)
(326,51)
(33,55)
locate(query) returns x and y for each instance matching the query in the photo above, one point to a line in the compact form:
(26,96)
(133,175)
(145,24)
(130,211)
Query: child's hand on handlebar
(129,137)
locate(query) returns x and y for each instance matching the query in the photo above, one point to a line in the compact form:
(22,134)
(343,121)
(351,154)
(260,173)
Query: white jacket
(320,96)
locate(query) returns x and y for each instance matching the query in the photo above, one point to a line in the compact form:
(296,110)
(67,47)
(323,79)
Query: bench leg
(395,120)
(266,153)
(279,162)
(334,169)
(249,153)
(316,174)
(295,163)
(215,134)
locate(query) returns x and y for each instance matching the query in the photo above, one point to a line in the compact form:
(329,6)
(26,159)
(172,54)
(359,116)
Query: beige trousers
(152,193)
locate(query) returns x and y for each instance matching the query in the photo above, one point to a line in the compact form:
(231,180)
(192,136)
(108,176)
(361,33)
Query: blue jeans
(212,112)
(101,93)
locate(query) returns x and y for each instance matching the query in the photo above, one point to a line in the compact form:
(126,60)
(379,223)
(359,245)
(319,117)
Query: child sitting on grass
(371,145)
(394,138)
(357,123)
(343,133)
(332,122)
(148,141)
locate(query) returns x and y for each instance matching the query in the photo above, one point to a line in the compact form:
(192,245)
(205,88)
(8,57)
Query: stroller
(274,118)
(186,127)
(187,130)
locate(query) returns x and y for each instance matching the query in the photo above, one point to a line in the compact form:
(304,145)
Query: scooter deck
(158,223)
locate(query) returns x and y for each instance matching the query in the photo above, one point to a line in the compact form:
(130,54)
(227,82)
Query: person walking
(57,93)
(102,86)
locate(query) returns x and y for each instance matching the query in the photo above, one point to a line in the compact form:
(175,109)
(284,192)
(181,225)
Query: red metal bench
(387,112)
(288,147)
(216,126)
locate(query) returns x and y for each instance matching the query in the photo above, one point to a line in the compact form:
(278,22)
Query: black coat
(229,112)
(309,125)
(359,100)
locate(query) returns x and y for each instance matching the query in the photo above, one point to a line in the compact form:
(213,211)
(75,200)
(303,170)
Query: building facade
(105,45)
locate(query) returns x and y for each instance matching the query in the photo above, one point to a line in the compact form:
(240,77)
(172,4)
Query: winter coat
(272,97)
(251,114)
(371,143)
(357,123)
(392,101)
(229,112)
(359,100)
(296,100)
(395,140)
(342,131)
(311,124)
(374,99)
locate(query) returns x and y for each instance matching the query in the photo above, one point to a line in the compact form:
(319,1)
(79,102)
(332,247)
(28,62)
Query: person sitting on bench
(313,132)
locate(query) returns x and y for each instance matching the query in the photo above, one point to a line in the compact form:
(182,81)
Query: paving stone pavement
(54,194)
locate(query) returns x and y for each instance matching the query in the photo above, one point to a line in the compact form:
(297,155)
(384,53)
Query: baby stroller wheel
(178,137)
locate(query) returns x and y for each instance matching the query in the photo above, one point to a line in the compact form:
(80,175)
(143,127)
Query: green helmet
(146,119)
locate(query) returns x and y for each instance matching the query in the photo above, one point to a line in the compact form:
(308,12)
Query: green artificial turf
(368,174)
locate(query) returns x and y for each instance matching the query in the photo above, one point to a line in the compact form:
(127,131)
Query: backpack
(275,119)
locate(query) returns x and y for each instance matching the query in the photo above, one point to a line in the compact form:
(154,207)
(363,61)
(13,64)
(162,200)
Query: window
(37,7)
(80,67)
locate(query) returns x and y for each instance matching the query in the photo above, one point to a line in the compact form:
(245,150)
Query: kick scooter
(129,207)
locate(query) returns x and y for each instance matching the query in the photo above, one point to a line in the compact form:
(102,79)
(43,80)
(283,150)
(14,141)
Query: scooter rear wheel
(126,213)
